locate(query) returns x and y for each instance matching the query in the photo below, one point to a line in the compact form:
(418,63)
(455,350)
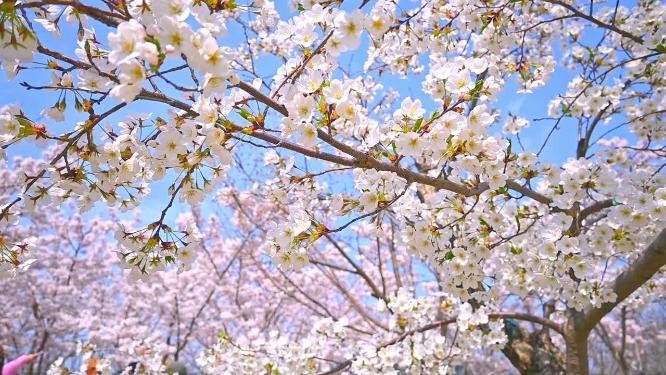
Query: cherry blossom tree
(170,318)
(360,230)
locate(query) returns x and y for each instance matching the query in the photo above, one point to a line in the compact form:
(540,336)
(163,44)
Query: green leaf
(80,32)
(224,336)
(565,108)
(78,105)
(418,124)
(524,74)
(478,86)
(151,243)
(25,129)
(246,114)
(485,24)
(62,105)
(7,9)
(86,47)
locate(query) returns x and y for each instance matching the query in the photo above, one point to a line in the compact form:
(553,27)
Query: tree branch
(635,276)
(518,316)
(597,22)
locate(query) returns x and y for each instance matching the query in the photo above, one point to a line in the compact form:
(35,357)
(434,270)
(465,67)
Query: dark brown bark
(532,352)
(575,338)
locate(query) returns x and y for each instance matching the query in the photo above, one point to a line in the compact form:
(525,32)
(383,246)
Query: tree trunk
(532,353)
(576,357)
(535,353)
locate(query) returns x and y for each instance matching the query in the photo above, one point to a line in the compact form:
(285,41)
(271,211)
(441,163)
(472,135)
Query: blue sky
(529,106)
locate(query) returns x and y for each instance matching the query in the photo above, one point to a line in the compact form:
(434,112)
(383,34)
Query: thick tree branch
(364,160)
(596,207)
(105,17)
(636,275)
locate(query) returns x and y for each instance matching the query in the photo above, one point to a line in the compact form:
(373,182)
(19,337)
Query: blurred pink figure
(14,366)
